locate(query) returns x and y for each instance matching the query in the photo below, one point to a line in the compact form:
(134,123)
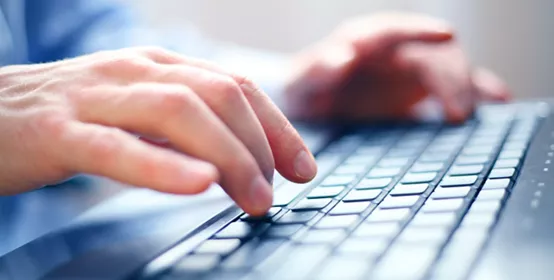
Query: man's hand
(383,67)
(83,116)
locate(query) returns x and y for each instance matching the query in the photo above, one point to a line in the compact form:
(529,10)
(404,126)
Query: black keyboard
(401,203)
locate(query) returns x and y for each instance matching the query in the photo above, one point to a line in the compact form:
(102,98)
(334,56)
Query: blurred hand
(385,67)
(83,116)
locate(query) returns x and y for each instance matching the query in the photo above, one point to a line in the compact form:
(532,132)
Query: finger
(225,97)
(373,35)
(489,87)
(176,113)
(444,74)
(115,154)
(292,157)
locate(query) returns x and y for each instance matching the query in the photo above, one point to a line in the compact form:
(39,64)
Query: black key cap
(328,192)
(506,163)
(410,189)
(381,172)
(500,173)
(347,208)
(496,194)
(311,204)
(334,268)
(496,184)
(239,230)
(466,170)
(373,183)
(350,169)
(329,236)
(415,178)
(371,247)
(399,202)
(427,167)
(297,217)
(471,160)
(251,253)
(267,217)
(454,181)
(383,230)
(336,222)
(218,246)
(362,195)
(442,193)
(282,231)
(196,264)
(388,215)
(336,180)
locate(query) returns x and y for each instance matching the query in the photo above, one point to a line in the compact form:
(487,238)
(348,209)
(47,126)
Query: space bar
(288,191)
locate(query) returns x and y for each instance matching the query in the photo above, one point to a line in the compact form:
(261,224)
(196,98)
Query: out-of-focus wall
(513,37)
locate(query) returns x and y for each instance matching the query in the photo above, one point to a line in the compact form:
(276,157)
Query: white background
(513,37)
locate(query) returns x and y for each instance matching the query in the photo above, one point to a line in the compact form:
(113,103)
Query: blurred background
(514,38)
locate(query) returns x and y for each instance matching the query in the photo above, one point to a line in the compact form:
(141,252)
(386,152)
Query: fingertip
(260,197)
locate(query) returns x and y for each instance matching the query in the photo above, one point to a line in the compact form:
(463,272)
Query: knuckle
(174,102)
(50,123)
(104,146)
(226,90)
(130,64)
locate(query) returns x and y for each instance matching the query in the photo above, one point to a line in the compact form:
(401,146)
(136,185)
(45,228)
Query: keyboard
(411,202)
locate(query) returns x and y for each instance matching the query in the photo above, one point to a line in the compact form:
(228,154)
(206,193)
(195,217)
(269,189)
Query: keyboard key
(328,192)
(384,230)
(515,145)
(300,262)
(496,184)
(338,180)
(427,235)
(442,205)
(454,181)
(427,167)
(399,202)
(479,219)
(267,217)
(466,170)
(334,222)
(362,195)
(282,231)
(434,157)
(218,246)
(415,178)
(478,150)
(410,189)
(347,208)
(393,162)
(239,230)
(506,163)
(286,193)
(335,268)
(485,206)
(329,236)
(511,154)
(297,217)
(251,253)
(389,215)
(405,262)
(433,219)
(380,172)
(311,204)
(350,169)
(500,173)
(196,264)
(442,193)
(471,160)
(494,194)
(366,247)
(374,183)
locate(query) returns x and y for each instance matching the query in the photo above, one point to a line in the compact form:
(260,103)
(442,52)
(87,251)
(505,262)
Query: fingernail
(305,166)
(261,195)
